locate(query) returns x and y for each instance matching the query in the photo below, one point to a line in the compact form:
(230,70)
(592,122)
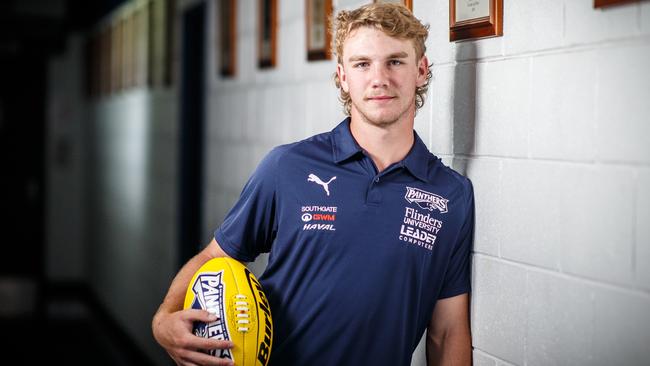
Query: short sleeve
(458,274)
(250,226)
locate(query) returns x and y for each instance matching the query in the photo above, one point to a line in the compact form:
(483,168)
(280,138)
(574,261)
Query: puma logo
(313,178)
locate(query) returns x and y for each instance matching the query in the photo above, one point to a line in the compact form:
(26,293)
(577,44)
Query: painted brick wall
(552,124)
(112,208)
(132,211)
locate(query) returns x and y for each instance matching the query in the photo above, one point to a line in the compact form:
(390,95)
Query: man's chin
(381,121)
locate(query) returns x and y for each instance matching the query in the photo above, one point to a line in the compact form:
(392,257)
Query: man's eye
(361,64)
(395,62)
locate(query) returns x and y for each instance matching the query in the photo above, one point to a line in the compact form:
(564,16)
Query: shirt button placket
(374,194)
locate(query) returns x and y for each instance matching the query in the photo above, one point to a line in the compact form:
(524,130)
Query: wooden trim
(490,26)
(325,53)
(606,3)
(228,38)
(170,42)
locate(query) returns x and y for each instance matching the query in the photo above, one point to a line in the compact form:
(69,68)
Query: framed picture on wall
(474,19)
(140,50)
(105,61)
(267,29)
(116,56)
(318,36)
(171,41)
(606,3)
(128,54)
(227,37)
(407,3)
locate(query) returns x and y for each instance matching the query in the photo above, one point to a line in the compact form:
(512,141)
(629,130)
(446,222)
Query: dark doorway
(22,140)
(191,132)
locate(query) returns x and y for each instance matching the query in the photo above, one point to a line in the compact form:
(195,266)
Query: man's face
(381,74)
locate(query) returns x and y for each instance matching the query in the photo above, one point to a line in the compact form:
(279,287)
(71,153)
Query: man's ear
(423,71)
(340,71)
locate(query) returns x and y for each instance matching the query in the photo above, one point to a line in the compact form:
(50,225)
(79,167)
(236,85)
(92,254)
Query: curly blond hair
(394,20)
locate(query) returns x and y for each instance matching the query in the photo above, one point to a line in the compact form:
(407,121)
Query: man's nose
(380,76)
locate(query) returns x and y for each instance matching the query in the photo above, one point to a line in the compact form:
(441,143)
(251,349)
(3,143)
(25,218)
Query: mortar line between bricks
(634,40)
(628,164)
(570,276)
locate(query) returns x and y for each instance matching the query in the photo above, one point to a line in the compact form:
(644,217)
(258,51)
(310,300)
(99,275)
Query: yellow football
(225,287)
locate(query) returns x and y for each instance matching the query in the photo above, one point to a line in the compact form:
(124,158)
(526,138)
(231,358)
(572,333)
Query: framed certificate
(268,16)
(606,3)
(318,35)
(474,19)
(407,3)
(116,55)
(227,37)
(128,54)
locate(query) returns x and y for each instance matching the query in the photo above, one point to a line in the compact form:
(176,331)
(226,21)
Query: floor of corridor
(67,330)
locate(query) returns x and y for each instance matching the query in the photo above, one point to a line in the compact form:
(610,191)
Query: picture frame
(171,42)
(161,32)
(156,43)
(318,37)
(267,33)
(475,19)
(105,61)
(128,48)
(116,56)
(406,3)
(227,34)
(608,3)
(141,50)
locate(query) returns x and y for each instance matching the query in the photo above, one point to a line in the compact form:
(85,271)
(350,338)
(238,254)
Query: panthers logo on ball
(226,288)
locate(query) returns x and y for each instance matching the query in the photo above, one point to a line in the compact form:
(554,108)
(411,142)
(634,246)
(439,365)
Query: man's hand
(174,333)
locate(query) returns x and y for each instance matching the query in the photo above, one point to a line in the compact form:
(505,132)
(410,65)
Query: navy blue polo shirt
(357,258)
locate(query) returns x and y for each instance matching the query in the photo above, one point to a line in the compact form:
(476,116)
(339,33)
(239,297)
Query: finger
(198,315)
(208,344)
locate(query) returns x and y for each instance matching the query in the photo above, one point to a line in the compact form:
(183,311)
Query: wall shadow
(464,104)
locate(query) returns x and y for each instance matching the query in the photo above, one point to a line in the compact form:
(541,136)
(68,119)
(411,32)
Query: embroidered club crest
(426,200)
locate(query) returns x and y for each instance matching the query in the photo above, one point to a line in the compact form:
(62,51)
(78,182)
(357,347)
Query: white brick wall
(562,124)
(132,207)
(502,107)
(550,121)
(622,117)
(642,252)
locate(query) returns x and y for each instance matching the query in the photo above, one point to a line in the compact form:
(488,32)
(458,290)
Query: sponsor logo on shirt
(315,179)
(318,217)
(419,229)
(426,200)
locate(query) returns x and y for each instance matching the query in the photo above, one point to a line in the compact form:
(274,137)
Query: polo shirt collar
(417,160)
(344,146)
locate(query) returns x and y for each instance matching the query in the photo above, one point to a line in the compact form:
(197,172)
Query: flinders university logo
(426,200)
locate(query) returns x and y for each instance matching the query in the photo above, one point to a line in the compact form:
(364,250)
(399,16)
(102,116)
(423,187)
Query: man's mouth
(380,97)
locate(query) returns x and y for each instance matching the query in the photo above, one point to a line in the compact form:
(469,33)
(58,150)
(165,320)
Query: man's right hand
(174,333)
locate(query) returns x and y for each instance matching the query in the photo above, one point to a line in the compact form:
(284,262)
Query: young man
(369,234)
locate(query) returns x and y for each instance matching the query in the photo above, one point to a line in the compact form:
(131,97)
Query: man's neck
(385,145)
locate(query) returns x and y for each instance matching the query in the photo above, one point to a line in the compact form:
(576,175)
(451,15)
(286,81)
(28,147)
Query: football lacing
(242,308)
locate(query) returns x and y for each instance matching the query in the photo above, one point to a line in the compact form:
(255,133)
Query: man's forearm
(176,294)
(453,348)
